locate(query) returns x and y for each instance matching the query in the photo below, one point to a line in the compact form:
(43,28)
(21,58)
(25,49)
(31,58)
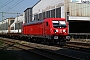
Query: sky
(14,6)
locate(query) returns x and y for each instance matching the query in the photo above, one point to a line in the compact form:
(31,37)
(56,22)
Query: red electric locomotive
(50,29)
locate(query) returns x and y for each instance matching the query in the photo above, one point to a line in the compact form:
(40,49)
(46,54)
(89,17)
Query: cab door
(46,28)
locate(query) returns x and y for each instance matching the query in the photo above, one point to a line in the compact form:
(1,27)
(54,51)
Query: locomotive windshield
(59,24)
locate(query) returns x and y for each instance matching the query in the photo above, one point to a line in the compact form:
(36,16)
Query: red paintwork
(40,28)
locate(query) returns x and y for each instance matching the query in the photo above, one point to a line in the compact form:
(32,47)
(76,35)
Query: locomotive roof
(34,22)
(40,21)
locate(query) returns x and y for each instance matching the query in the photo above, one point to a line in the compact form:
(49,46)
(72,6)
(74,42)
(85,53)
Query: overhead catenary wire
(7,3)
(7,13)
(15,4)
(3,3)
(54,3)
(8,6)
(18,2)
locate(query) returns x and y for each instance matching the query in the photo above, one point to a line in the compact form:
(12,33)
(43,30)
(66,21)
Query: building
(5,25)
(47,9)
(17,24)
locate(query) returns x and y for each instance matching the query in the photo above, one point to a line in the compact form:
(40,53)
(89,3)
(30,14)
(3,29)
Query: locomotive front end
(60,30)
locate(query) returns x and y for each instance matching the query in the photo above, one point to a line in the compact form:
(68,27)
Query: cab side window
(46,23)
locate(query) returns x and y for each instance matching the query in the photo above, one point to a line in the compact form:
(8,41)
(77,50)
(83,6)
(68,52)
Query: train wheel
(51,42)
(62,43)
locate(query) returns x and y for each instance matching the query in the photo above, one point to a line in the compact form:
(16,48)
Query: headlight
(64,30)
(56,30)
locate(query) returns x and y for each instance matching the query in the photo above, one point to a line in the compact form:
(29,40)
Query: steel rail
(46,51)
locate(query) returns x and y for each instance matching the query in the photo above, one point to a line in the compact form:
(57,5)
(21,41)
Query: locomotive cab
(60,27)
(60,30)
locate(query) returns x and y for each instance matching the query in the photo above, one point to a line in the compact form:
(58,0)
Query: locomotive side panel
(41,29)
(36,29)
(33,29)
(25,30)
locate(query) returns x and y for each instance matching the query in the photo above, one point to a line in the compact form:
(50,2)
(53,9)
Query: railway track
(78,46)
(47,54)
(79,43)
